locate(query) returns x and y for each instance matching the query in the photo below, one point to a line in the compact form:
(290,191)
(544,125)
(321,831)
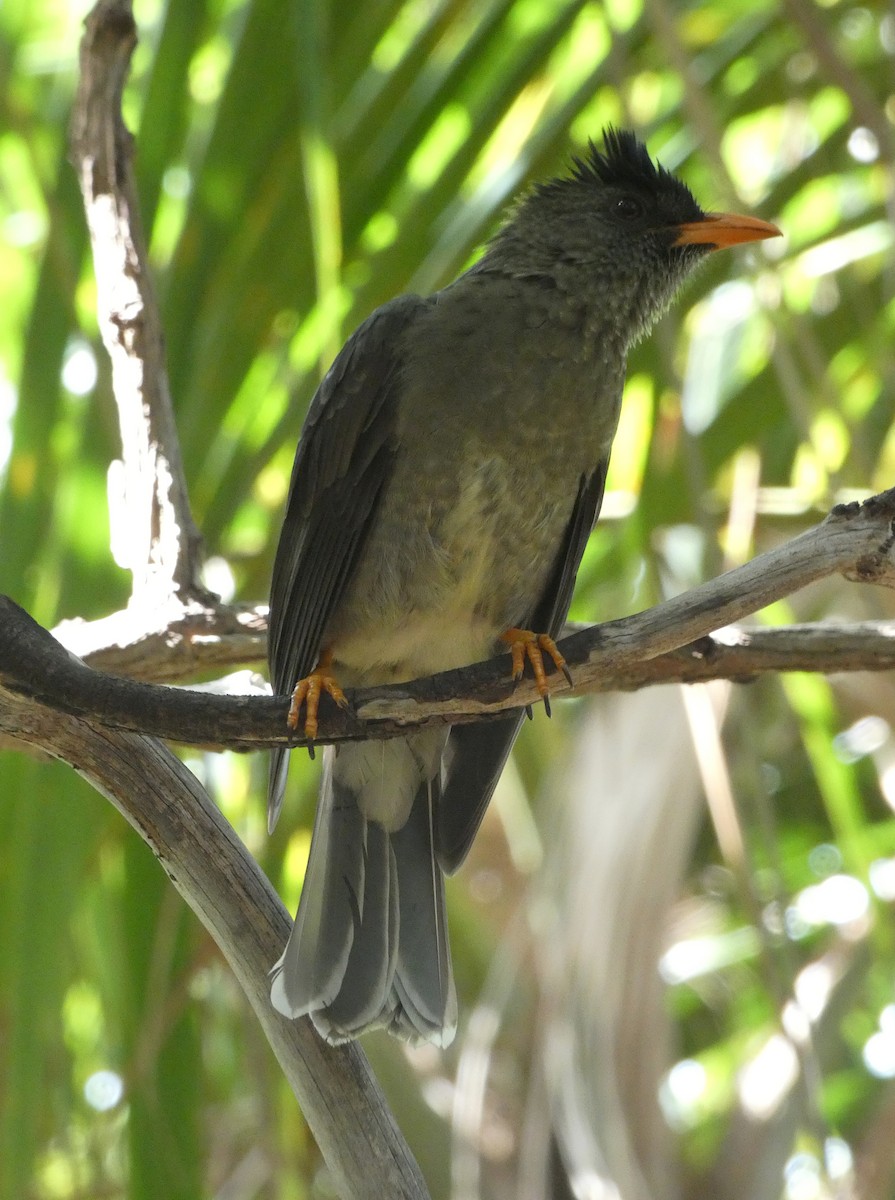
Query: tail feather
(309,973)
(424,983)
(366,982)
(369,946)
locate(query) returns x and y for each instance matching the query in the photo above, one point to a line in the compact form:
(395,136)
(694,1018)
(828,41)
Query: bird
(449,472)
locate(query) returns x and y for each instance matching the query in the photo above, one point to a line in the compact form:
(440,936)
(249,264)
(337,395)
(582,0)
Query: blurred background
(674,939)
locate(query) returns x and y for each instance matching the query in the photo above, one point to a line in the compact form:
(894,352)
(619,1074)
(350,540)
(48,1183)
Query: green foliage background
(299,163)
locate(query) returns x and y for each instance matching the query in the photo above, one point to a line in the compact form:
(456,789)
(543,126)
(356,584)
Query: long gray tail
(369,947)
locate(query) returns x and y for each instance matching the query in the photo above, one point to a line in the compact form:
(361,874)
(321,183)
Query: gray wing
(343,463)
(477,753)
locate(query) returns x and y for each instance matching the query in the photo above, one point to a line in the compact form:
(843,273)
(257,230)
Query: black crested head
(614,239)
(604,235)
(617,236)
(626,163)
(618,198)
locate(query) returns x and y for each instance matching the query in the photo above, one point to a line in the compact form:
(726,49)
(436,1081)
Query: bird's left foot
(524,644)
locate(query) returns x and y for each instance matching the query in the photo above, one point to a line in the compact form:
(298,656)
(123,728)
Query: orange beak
(719,230)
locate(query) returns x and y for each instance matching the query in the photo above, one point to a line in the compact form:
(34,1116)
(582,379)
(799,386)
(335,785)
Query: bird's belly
(415,645)
(444,574)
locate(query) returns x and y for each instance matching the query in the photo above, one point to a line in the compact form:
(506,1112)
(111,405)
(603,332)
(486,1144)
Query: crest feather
(624,162)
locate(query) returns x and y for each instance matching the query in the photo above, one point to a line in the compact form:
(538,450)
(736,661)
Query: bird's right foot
(307,693)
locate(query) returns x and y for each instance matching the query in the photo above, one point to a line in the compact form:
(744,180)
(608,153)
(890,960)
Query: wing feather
(342,467)
(478,752)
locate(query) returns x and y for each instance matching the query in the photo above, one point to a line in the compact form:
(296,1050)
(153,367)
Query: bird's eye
(628,208)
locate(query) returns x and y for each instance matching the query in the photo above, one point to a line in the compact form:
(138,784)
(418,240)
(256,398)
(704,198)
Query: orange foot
(533,646)
(307,692)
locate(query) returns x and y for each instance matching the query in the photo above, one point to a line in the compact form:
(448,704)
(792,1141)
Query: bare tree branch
(170,644)
(148,492)
(221,882)
(665,644)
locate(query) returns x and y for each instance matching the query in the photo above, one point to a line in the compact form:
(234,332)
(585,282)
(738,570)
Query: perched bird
(450,470)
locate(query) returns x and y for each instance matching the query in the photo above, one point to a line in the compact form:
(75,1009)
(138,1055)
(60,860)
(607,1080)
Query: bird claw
(525,645)
(307,693)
